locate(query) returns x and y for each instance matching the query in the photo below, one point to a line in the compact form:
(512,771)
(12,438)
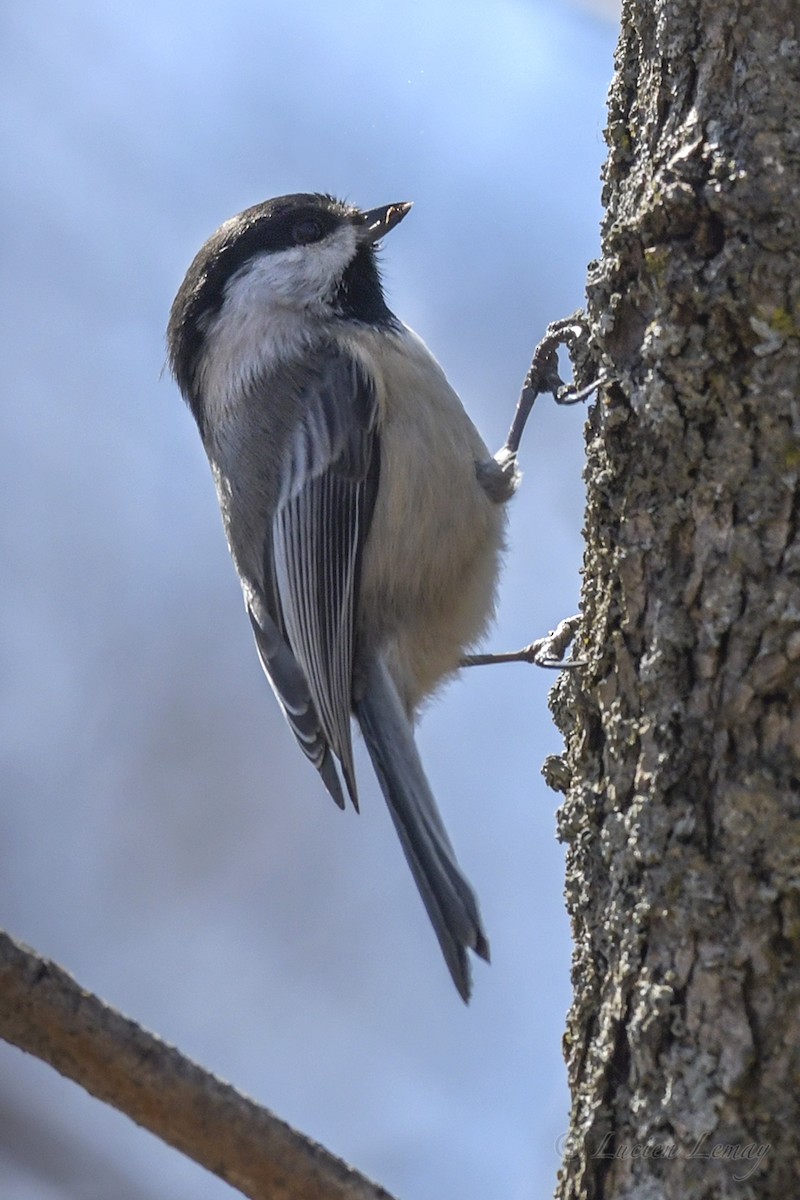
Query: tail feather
(447,896)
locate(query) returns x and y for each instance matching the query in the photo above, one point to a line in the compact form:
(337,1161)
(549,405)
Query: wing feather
(294,696)
(313,551)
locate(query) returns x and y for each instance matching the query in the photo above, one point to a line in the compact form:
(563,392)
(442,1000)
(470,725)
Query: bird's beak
(379,221)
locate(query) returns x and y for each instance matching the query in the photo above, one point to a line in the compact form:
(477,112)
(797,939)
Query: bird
(363,512)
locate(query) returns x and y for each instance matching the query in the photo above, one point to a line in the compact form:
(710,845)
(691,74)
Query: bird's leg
(543,376)
(547,652)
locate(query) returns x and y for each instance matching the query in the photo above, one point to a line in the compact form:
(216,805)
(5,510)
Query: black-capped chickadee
(362,509)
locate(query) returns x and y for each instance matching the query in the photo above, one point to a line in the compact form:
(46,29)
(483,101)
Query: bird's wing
(312,558)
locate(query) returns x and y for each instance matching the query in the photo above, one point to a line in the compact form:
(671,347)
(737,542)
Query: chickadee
(362,509)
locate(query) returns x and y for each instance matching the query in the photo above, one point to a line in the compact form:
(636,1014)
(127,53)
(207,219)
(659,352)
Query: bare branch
(45,1012)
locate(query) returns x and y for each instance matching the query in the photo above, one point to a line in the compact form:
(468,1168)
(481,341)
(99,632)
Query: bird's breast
(432,555)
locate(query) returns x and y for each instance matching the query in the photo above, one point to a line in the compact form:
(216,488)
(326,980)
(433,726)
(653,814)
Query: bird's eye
(305,231)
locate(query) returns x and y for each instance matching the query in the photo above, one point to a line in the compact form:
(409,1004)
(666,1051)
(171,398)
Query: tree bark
(681,768)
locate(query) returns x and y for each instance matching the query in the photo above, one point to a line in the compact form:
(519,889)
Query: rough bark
(681,771)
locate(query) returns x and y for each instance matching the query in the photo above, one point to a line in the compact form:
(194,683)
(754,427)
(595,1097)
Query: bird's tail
(449,899)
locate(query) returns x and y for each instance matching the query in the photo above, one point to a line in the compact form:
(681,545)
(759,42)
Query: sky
(160,834)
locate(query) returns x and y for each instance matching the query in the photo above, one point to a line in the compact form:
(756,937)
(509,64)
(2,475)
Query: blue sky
(162,837)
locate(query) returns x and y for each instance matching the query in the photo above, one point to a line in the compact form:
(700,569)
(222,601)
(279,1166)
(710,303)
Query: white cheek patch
(296,278)
(272,308)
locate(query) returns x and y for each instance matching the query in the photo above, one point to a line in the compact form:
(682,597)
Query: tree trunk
(681,769)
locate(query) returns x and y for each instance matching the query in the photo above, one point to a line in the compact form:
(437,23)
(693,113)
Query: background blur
(160,834)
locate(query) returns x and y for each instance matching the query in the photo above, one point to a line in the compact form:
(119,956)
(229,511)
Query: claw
(543,376)
(547,652)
